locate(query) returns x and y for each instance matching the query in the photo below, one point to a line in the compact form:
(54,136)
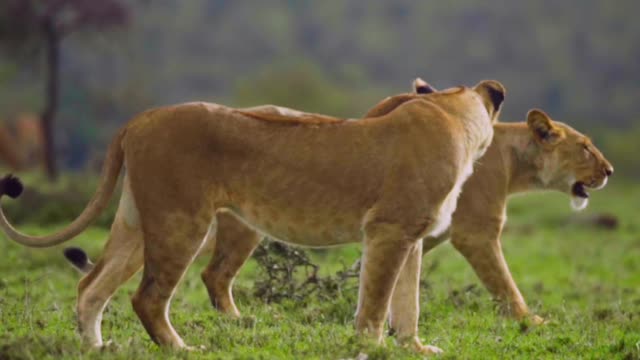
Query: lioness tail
(79,259)
(12,187)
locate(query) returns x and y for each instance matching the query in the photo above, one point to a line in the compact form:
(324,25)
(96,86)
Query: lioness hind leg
(121,259)
(485,255)
(167,254)
(234,244)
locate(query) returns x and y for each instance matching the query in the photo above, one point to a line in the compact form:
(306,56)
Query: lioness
(387,181)
(535,155)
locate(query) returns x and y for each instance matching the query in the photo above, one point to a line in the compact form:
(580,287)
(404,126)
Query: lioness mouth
(579,190)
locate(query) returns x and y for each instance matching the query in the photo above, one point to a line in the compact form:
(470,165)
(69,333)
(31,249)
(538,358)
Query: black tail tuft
(11,186)
(77,257)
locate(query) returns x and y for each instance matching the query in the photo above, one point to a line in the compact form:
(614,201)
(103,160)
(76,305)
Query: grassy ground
(584,279)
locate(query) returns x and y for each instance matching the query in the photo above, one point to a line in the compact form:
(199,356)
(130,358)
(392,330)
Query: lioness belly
(295,228)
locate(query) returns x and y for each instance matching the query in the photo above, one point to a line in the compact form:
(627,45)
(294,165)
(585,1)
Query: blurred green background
(576,59)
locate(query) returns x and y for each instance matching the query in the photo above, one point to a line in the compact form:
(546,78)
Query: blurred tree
(27,26)
(8,150)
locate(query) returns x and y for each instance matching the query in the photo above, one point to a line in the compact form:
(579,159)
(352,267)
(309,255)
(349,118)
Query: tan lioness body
(386,181)
(540,154)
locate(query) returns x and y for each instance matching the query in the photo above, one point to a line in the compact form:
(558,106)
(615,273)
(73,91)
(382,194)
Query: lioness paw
(195,348)
(415,345)
(537,320)
(430,350)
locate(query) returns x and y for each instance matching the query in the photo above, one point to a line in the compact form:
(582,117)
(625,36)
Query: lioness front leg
(233,245)
(405,303)
(483,251)
(385,251)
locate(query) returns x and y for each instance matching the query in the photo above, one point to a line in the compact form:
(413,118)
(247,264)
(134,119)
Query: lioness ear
(422,87)
(542,127)
(492,93)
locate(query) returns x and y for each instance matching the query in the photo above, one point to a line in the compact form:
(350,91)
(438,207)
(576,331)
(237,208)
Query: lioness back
(305,170)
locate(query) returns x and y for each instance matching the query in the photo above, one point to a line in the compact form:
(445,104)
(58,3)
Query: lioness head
(491,93)
(481,104)
(567,160)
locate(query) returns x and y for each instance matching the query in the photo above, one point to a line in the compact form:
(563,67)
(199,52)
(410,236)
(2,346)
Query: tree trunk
(52,43)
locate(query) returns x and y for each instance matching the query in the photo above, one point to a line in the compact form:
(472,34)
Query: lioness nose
(608,171)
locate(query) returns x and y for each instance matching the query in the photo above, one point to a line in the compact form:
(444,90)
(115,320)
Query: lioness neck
(519,152)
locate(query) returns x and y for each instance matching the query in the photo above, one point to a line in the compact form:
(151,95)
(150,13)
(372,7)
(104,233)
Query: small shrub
(288,273)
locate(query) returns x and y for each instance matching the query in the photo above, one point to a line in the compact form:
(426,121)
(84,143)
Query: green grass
(585,280)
